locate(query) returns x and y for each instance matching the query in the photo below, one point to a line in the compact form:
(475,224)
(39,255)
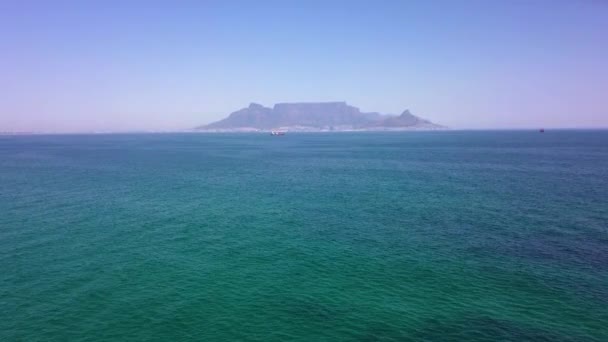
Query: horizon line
(448,129)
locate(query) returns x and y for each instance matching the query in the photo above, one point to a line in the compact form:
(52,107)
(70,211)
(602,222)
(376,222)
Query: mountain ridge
(316,116)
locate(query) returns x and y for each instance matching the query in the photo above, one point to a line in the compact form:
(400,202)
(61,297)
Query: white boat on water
(277,132)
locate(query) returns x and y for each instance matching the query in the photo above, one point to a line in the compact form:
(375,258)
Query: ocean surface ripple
(421,236)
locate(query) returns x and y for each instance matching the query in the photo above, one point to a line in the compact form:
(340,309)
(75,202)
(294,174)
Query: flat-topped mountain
(316,116)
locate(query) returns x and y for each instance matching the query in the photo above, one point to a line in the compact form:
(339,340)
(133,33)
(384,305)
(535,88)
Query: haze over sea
(442,236)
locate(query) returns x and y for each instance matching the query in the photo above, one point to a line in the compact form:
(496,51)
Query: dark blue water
(460,236)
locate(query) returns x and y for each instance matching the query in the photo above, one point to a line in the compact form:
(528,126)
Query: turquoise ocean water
(437,236)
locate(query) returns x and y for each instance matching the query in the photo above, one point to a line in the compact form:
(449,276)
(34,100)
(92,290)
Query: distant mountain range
(316,116)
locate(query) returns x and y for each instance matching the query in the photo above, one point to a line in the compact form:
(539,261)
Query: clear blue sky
(129,65)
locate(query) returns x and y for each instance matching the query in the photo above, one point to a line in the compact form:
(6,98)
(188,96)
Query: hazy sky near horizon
(164,65)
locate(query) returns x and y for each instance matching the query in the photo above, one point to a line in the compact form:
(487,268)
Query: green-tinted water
(475,236)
